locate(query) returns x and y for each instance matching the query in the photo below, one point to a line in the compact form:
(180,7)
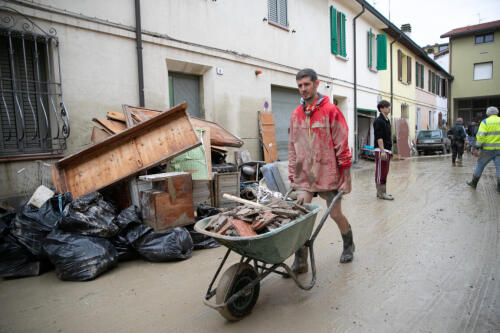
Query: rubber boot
(300,265)
(473,182)
(348,252)
(382,193)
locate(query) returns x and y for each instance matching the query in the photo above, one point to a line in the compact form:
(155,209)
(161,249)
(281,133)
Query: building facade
(65,63)
(474,64)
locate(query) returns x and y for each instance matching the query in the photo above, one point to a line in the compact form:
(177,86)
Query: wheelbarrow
(238,288)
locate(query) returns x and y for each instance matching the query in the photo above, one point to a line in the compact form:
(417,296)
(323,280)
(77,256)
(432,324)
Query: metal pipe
(140,69)
(355,86)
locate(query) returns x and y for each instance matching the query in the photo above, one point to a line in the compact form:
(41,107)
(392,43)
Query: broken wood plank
(157,140)
(268,136)
(98,135)
(110,126)
(219,136)
(285,212)
(245,202)
(114,115)
(243,228)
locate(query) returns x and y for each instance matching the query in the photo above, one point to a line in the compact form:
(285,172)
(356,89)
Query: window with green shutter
(417,74)
(429,87)
(381,52)
(333,30)
(422,76)
(337,32)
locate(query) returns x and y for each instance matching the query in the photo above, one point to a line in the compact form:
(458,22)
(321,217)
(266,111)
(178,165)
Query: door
(185,88)
(283,102)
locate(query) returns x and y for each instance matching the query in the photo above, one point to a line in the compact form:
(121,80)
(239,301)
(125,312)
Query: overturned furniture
(127,153)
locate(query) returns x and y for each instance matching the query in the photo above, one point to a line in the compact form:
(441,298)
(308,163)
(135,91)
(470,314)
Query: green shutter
(333,29)
(417,74)
(381,52)
(422,76)
(171,90)
(370,48)
(429,88)
(342,36)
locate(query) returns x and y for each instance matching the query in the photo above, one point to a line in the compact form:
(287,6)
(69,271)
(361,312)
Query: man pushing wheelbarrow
(319,163)
(319,158)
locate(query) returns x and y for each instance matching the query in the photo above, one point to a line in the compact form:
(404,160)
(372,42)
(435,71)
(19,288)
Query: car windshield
(430,134)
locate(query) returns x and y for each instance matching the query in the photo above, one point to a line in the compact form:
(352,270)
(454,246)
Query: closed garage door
(284,101)
(185,88)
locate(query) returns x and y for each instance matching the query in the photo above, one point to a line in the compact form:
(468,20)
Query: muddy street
(427,262)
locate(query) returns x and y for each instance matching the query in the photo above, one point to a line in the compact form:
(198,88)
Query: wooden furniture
(169,203)
(126,153)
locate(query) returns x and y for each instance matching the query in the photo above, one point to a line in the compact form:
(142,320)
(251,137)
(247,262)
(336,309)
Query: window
(377,51)
(486,38)
(429,86)
(33,118)
(337,32)
(433,90)
(422,76)
(444,88)
(417,74)
(404,67)
(278,12)
(483,71)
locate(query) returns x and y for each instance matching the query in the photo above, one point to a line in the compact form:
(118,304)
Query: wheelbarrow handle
(325,216)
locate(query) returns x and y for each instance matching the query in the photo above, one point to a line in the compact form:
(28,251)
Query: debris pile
(250,220)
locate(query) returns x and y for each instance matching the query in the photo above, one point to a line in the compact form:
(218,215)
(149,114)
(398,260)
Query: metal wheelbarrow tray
(238,288)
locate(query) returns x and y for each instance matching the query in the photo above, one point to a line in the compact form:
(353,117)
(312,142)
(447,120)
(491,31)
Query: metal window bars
(33,117)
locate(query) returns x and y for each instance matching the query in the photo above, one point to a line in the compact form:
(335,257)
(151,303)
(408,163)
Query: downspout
(356,86)
(392,79)
(140,68)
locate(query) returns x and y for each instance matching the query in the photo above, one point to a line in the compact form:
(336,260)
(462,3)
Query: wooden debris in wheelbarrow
(251,218)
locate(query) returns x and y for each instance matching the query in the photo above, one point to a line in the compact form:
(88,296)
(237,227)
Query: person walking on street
(471,133)
(487,146)
(319,158)
(383,153)
(457,136)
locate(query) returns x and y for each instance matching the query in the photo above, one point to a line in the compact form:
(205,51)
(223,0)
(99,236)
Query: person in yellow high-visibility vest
(487,146)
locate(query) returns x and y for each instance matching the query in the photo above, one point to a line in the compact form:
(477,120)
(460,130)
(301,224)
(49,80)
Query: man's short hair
(460,120)
(491,111)
(383,104)
(307,72)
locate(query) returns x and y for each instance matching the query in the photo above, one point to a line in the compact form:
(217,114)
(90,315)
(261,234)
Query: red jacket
(318,148)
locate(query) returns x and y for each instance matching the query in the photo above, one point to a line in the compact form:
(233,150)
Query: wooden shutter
(422,76)
(400,65)
(429,88)
(333,30)
(433,83)
(272,7)
(342,37)
(417,74)
(408,67)
(369,48)
(381,52)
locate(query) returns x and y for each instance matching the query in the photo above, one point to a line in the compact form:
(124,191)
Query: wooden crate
(203,192)
(169,203)
(226,183)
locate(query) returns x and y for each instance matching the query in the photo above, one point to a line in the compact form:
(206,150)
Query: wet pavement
(427,262)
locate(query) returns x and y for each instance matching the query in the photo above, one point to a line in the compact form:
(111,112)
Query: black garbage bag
(127,218)
(5,220)
(90,215)
(17,261)
(169,245)
(77,257)
(31,225)
(201,241)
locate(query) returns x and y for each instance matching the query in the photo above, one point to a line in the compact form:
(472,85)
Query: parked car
(432,141)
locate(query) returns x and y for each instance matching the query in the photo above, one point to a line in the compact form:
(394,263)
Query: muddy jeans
(485,156)
(457,148)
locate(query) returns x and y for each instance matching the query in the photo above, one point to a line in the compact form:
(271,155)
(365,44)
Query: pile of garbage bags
(85,237)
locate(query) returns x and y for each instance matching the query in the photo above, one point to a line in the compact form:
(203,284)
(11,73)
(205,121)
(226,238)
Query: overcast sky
(430,19)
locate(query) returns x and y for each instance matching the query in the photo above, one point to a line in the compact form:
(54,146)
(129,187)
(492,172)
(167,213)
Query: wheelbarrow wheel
(233,280)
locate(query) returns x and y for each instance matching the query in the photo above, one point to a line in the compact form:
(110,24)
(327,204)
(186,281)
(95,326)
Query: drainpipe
(356,87)
(140,68)
(392,79)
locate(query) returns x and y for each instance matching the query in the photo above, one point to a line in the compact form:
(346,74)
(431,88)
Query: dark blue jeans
(485,156)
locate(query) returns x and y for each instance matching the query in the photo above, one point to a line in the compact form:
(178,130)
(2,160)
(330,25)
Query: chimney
(406,28)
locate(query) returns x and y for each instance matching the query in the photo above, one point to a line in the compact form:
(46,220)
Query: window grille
(33,117)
